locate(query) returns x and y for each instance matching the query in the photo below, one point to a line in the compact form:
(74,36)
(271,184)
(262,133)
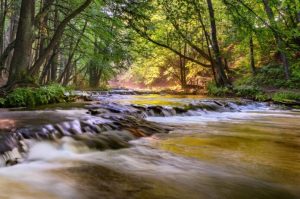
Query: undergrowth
(31,97)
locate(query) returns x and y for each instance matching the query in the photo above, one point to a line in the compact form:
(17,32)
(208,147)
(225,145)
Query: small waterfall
(197,108)
(109,126)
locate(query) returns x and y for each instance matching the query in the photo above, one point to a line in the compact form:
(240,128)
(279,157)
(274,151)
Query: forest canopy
(148,43)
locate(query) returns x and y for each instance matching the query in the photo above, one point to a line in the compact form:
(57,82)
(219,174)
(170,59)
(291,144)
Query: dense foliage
(67,42)
(258,43)
(31,97)
(229,47)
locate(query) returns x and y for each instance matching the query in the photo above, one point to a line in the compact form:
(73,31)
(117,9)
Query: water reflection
(265,147)
(160,100)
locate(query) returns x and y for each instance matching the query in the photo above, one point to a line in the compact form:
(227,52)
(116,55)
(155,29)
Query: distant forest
(179,43)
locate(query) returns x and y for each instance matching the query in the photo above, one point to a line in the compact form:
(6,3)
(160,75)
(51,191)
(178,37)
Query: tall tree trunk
(252,60)
(182,72)
(54,62)
(279,42)
(47,69)
(207,38)
(95,75)
(54,65)
(23,45)
(221,77)
(13,28)
(3,14)
(183,68)
(93,69)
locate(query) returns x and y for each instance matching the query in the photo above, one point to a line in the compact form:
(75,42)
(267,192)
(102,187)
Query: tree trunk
(279,42)
(252,60)
(13,28)
(221,77)
(54,62)
(5,54)
(95,80)
(47,70)
(207,39)
(182,72)
(93,70)
(2,23)
(23,45)
(94,75)
(182,62)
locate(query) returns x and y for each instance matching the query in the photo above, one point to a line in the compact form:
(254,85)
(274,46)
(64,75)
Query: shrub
(247,91)
(20,97)
(271,75)
(261,97)
(286,96)
(2,102)
(31,97)
(213,90)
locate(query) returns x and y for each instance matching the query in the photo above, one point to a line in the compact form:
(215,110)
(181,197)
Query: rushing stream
(249,152)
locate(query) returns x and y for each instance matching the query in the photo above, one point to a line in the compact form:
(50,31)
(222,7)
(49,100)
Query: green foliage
(271,76)
(30,97)
(286,96)
(246,91)
(213,90)
(261,97)
(2,101)
(19,97)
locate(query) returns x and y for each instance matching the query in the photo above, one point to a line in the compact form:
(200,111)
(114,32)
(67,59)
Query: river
(250,152)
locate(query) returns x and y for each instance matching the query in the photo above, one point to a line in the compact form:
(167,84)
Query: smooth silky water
(252,153)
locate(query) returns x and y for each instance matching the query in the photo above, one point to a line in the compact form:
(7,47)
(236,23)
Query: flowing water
(252,152)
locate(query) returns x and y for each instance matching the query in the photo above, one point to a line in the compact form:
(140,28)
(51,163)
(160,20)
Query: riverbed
(251,151)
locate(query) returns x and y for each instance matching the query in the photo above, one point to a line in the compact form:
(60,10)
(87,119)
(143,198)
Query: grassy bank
(31,97)
(268,84)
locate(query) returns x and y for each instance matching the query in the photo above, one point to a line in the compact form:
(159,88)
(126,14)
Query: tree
(221,78)
(22,48)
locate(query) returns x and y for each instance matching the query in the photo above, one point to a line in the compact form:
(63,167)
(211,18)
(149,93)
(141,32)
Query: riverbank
(288,97)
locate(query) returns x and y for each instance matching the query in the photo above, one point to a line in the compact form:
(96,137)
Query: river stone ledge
(123,92)
(191,109)
(108,127)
